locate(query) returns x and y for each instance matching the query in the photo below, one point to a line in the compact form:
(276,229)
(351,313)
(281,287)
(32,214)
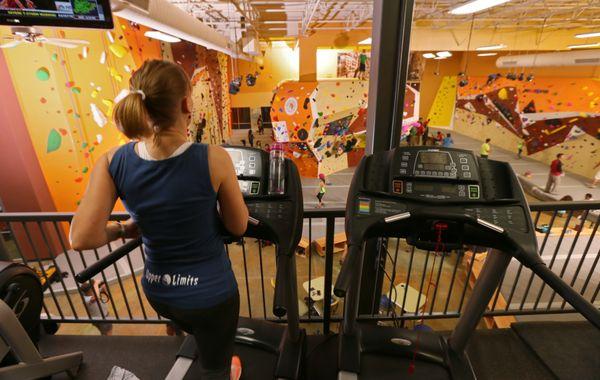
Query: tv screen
(64,13)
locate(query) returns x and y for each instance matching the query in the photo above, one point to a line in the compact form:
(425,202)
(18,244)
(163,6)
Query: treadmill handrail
(108,260)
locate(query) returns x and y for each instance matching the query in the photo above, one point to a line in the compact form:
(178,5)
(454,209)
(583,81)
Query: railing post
(329,232)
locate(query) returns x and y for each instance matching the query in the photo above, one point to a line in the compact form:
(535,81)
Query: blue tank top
(174,204)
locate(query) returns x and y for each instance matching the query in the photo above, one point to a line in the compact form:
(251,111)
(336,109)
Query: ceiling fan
(30,35)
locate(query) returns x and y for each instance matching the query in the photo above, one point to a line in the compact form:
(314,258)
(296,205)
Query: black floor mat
(571,350)
(500,355)
(148,357)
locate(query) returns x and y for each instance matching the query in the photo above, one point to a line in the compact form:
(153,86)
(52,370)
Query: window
(240,118)
(266,116)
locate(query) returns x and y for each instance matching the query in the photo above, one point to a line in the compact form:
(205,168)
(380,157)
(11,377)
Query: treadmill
(267,349)
(430,196)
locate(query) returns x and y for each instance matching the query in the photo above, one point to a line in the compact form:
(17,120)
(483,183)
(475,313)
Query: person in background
(520,148)
(485,149)
(97,308)
(250,137)
(412,136)
(596,177)
(556,171)
(267,148)
(259,144)
(448,142)
(321,193)
(420,130)
(439,138)
(426,132)
(361,70)
(243,142)
(259,125)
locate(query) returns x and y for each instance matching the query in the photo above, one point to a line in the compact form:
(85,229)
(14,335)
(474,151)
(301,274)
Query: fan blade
(11,44)
(73,42)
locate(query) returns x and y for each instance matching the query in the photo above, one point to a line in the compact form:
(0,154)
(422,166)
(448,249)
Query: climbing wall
(67,98)
(442,109)
(552,115)
(323,123)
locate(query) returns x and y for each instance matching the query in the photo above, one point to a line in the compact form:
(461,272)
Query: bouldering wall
(323,123)
(551,115)
(67,97)
(442,110)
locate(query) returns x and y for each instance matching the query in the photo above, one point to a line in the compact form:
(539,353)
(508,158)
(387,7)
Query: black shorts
(320,196)
(362,67)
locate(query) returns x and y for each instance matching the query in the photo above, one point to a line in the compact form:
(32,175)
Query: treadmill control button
(473,191)
(402,171)
(252,158)
(463,160)
(467,174)
(397,187)
(465,167)
(404,164)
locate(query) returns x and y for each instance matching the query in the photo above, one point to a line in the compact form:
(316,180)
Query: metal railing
(436,286)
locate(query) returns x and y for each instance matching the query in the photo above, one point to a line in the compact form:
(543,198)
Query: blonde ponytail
(131,116)
(154,100)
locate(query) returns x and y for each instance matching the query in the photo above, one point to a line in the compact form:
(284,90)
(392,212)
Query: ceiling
(279,19)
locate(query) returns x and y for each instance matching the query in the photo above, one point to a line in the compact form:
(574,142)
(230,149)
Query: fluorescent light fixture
(476,6)
(161,36)
(277,29)
(491,47)
(443,54)
(486,54)
(366,41)
(439,58)
(584,46)
(429,55)
(274,22)
(588,35)
(284,10)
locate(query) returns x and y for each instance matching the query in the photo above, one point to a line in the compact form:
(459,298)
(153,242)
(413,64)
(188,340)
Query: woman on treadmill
(171,188)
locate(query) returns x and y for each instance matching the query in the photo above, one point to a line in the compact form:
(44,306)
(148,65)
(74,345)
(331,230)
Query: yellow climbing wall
(442,109)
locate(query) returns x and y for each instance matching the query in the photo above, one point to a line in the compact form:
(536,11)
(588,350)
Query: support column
(390,51)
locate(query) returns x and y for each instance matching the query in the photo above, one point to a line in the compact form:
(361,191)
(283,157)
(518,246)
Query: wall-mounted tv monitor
(63,13)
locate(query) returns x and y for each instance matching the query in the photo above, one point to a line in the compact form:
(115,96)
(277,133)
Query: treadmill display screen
(425,187)
(434,160)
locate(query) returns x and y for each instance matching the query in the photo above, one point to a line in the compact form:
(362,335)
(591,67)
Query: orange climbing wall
(66,96)
(552,115)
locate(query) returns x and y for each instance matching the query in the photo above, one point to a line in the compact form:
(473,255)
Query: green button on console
(473,191)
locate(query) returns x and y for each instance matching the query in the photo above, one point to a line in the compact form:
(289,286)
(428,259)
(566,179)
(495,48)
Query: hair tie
(138,91)
(126,92)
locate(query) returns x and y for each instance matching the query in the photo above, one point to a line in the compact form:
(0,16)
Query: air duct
(169,18)
(564,58)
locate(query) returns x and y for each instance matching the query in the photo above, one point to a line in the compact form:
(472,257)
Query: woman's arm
(89,228)
(224,180)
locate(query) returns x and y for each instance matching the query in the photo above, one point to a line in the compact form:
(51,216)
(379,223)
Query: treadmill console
(279,216)
(251,167)
(429,183)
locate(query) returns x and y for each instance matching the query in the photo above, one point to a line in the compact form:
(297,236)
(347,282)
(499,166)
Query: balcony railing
(416,284)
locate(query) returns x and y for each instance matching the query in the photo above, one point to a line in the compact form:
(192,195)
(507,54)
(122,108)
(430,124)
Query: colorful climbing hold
(43,100)
(54,141)
(54,57)
(118,51)
(63,131)
(84,170)
(76,90)
(70,84)
(42,74)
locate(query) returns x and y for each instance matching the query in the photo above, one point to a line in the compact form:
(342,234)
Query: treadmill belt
(147,357)
(500,355)
(571,350)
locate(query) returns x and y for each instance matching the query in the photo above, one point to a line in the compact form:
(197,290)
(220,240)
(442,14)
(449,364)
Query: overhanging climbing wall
(552,115)
(323,123)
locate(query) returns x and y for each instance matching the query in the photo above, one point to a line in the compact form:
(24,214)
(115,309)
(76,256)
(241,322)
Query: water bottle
(276,170)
